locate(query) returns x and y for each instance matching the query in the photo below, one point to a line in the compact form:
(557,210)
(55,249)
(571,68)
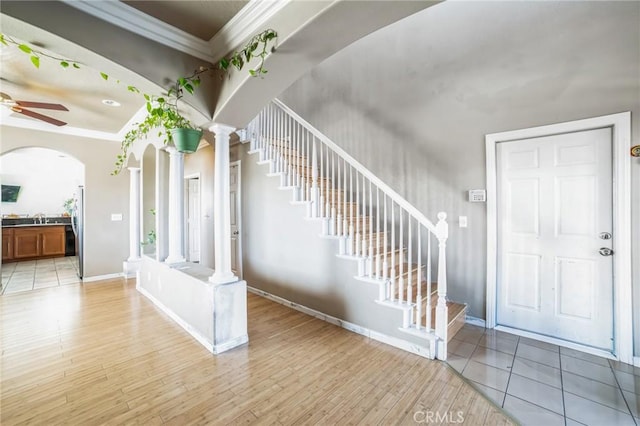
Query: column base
(173,260)
(130,267)
(223,347)
(223,278)
(229,316)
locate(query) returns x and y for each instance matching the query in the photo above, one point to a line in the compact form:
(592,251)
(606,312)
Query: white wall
(47,178)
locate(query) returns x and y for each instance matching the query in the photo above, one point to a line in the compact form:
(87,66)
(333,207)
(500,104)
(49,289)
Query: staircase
(392,243)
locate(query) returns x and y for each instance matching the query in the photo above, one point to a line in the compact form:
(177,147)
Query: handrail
(365,172)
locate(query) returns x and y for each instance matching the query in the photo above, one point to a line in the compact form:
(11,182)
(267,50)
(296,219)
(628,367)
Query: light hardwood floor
(102,353)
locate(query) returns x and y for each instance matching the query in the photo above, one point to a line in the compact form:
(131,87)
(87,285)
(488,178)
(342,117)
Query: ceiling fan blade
(38,116)
(43,105)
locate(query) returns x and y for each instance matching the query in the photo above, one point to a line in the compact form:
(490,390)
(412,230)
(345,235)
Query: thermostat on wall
(477,196)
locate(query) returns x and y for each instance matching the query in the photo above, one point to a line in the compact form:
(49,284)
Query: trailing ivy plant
(162,111)
(255,48)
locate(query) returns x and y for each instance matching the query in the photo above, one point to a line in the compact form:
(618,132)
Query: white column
(134,214)
(176,206)
(222,207)
(132,263)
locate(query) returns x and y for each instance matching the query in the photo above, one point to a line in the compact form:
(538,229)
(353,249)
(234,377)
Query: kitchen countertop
(24,225)
(46,221)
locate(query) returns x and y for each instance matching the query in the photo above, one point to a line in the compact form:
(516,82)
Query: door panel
(554,199)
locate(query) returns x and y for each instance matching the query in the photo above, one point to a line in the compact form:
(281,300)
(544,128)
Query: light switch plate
(116,217)
(462,220)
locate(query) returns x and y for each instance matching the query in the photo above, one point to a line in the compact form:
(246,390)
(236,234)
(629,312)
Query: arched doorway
(41,187)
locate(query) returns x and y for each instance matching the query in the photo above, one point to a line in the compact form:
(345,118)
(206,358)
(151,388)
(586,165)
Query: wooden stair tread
(423,293)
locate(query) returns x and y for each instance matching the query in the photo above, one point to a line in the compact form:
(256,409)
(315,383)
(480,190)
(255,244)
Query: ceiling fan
(19,107)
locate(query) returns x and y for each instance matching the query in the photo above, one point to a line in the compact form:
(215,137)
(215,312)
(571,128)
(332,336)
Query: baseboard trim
(178,320)
(103,277)
(223,347)
(382,338)
(475,321)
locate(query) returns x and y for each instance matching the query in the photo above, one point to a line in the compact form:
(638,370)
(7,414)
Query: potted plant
(68,206)
(163,116)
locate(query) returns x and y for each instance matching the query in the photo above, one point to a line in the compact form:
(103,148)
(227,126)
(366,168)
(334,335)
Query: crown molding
(249,20)
(131,19)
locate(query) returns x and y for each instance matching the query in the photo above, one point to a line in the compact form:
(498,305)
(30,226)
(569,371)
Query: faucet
(37,218)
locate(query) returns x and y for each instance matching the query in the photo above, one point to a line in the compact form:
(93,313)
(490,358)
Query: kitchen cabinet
(7,244)
(33,242)
(53,241)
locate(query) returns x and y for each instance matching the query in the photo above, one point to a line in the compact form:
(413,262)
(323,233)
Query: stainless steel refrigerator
(77,222)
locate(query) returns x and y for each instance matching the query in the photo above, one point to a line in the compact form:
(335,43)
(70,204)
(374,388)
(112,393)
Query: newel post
(442,312)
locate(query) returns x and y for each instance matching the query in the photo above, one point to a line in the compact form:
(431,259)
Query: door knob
(605,251)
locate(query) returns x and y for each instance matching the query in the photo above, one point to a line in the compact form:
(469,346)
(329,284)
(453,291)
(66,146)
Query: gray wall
(106,242)
(284,255)
(420,95)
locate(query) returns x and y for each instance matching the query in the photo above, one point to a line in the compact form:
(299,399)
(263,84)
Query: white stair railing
(389,237)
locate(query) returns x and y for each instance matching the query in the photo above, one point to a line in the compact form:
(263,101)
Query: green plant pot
(186,140)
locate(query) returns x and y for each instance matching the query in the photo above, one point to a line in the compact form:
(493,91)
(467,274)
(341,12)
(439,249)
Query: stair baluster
(419,281)
(392,293)
(314,176)
(385,262)
(351,240)
(378,242)
(364,220)
(346,215)
(409,263)
(401,260)
(333,223)
(357,240)
(429,307)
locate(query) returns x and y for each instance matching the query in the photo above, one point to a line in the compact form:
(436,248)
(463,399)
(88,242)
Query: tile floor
(34,274)
(543,384)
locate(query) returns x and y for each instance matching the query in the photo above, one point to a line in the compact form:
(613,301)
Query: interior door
(193,219)
(234,201)
(555,268)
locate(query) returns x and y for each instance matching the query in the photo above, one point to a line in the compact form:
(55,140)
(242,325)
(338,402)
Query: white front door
(193,219)
(554,215)
(234,201)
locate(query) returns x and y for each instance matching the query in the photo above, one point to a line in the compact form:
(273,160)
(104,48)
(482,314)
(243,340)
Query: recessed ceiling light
(111,102)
